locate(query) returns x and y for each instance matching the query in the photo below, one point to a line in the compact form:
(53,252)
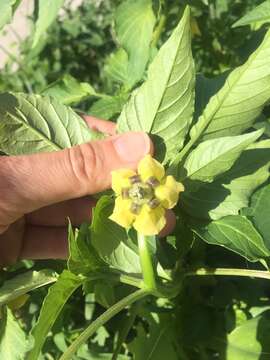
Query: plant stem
(230,272)
(158,30)
(146,263)
(102,319)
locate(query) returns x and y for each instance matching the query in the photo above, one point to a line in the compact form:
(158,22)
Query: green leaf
(164,104)
(213,157)
(111,241)
(8,8)
(32,123)
(108,106)
(13,341)
(68,90)
(116,66)
(260,14)
(22,283)
(234,108)
(231,191)
(235,233)
(134,23)
(47,13)
(250,341)
(83,257)
(56,298)
(259,212)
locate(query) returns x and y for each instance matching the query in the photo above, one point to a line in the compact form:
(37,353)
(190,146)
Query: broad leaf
(134,23)
(68,90)
(47,13)
(237,234)
(53,303)
(83,257)
(8,8)
(111,241)
(23,283)
(250,341)
(108,106)
(213,157)
(240,101)
(32,123)
(13,341)
(259,212)
(261,14)
(231,191)
(164,104)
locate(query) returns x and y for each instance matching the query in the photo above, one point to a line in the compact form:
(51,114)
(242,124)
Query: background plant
(225,318)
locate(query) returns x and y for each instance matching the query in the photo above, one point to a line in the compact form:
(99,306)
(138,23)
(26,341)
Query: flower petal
(168,192)
(150,221)
(121,212)
(149,167)
(120,179)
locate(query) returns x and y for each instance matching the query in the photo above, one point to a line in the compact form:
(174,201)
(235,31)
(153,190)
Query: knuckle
(85,163)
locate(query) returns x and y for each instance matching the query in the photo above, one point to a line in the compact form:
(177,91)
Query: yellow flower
(142,197)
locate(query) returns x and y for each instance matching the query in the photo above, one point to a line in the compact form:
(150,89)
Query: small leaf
(108,107)
(83,257)
(134,23)
(8,8)
(47,13)
(213,157)
(250,341)
(32,123)
(68,90)
(13,341)
(260,13)
(116,66)
(234,108)
(259,212)
(23,283)
(164,104)
(231,191)
(235,233)
(111,241)
(53,303)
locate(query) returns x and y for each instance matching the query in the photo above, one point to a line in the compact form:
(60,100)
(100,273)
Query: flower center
(141,193)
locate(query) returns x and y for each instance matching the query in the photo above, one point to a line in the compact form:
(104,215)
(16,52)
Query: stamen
(152,181)
(135,208)
(153,203)
(135,179)
(125,193)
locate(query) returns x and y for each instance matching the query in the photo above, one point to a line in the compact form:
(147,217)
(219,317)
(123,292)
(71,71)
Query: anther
(153,203)
(135,179)
(152,181)
(125,193)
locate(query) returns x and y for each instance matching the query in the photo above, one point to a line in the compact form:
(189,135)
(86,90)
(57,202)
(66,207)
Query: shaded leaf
(23,283)
(32,123)
(53,303)
(68,90)
(164,104)
(250,341)
(235,233)
(111,241)
(47,13)
(8,8)
(13,341)
(108,107)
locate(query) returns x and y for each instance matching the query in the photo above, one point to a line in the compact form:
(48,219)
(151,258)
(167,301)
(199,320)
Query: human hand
(38,192)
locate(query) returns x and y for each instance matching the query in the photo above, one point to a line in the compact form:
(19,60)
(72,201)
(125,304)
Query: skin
(39,191)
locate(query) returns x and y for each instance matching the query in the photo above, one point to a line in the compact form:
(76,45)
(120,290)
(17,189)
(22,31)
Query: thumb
(30,182)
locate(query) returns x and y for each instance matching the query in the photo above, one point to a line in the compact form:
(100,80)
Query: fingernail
(132,146)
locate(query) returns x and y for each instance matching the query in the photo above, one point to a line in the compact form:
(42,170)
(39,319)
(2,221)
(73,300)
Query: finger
(30,182)
(170,224)
(77,210)
(105,126)
(41,242)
